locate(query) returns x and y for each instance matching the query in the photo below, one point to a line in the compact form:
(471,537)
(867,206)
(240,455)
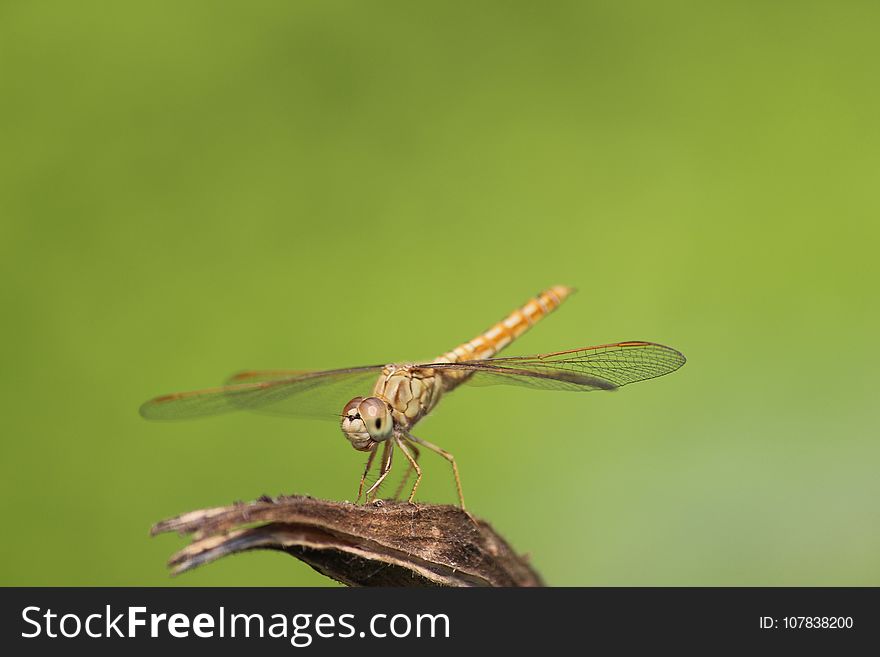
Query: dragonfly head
(367,421)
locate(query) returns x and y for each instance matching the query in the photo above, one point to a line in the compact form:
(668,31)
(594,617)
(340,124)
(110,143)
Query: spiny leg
(449,457)
(413,464)
(409,468)
(366,472)
(384,468)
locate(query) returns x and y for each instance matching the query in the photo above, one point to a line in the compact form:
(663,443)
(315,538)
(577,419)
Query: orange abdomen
(494,339)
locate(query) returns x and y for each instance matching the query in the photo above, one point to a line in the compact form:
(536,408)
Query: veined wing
(277,392)
(603,367)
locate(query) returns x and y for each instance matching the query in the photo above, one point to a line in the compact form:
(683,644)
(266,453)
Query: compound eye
(351,408)
(377,419)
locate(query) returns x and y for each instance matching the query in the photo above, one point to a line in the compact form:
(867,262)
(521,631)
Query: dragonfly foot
(470,517)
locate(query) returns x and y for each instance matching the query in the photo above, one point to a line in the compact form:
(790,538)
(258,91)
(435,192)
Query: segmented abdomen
(413,391)
(493,340)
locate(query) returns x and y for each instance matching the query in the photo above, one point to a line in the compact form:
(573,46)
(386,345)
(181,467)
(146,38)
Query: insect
(402,394)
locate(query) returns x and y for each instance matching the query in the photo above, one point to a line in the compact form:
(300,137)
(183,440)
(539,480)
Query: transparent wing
(277,392)
(323,394)
(257,376)
(604,367)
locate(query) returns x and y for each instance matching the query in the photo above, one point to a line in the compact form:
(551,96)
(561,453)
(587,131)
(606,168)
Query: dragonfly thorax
(367,421)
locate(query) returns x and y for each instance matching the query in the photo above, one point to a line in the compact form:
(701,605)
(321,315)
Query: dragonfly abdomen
(498,336)
(413,391)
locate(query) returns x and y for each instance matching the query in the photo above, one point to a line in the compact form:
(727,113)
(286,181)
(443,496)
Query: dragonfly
(404,393)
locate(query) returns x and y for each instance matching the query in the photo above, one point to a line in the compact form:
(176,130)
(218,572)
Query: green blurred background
(193,188)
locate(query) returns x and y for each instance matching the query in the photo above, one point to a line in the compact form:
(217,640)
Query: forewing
(278,392)
(604,367)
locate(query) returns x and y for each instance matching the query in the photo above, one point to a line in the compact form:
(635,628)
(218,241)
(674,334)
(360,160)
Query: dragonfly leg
(413,463)
(449,457)
(366,472)
(415,452)
(384,468)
